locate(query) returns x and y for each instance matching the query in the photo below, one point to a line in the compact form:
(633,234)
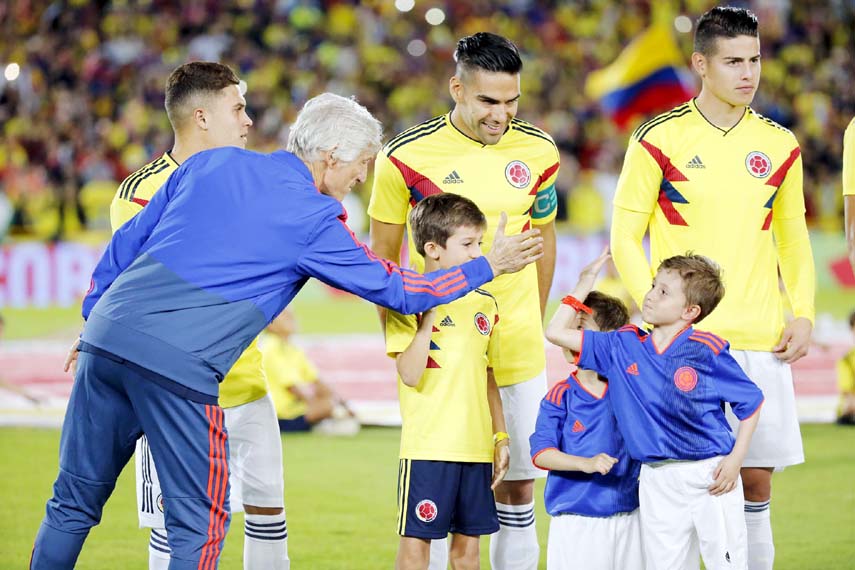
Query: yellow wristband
(500,436)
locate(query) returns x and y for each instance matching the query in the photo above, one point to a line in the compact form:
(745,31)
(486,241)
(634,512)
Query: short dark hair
(195,78)
(438,216)
(851,319)
(609,312)
(702,283)
(723,22)
(487,52)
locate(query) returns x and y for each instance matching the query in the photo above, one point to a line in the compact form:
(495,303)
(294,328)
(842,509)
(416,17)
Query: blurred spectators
(81,97)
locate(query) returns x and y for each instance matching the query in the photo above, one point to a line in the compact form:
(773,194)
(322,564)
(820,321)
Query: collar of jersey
(292,161)
(585,388)
(677,338)
(707,122)
(467,137)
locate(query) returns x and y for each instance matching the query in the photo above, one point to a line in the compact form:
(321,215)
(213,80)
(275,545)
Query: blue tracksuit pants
(112,404)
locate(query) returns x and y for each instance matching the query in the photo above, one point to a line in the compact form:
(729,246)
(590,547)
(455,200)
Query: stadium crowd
(83,107)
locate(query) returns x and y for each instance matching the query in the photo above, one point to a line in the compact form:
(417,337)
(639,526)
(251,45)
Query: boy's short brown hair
(193,79)
(702,282)
(609,312)
(438,216)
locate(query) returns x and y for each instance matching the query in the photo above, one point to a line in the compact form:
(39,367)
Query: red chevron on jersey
(778,177)
(669,171)
(420,186)
(431,363)
(577,426)
(544,176)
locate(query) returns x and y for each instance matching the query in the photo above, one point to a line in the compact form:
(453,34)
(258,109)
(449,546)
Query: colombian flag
(649,76)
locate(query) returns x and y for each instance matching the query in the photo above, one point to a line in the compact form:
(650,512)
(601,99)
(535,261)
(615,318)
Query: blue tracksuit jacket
(220,250)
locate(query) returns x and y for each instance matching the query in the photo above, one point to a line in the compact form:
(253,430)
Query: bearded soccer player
(503,164)
(207,110)
(714,177)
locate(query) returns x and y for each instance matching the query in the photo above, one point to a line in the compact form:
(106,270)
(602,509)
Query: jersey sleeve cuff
(536,455)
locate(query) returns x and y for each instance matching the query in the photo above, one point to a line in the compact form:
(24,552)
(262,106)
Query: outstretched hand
(589,273)
(510,254)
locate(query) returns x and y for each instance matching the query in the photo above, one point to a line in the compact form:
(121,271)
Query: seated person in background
(302,400)
(846,383)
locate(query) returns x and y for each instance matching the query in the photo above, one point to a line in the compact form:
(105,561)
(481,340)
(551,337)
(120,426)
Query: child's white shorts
(680,519)
(595,543)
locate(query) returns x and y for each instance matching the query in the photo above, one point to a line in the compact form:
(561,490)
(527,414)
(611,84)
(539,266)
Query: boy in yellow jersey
(207,110)
(849,189)
(454,448)
(714,177)
(481,151)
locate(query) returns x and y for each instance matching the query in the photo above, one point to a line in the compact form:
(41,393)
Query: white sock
(438,554)
(265,543)
(761,548)
(158,550)
(515,546)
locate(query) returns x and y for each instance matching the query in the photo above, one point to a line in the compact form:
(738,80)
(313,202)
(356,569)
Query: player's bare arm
(510,254)
(501,446)
(546,264)
(561,330)
(556,460)
(849,217)
(386,240)
(727,471)
(412,362)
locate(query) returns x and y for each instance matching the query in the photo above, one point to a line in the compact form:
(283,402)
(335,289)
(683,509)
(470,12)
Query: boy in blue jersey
(454,443)
(667,389)
(592,487)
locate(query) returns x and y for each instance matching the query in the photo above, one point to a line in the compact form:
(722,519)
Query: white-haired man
(182,290)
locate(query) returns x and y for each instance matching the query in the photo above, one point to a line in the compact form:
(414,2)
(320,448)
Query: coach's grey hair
(330,121)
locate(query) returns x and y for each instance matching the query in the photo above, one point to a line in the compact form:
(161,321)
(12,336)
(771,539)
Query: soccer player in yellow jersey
(714,177)
(453,440)
(207,110)
(849,189)
(481,151)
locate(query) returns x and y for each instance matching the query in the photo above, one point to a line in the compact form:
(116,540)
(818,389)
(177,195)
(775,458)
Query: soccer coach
(184,287)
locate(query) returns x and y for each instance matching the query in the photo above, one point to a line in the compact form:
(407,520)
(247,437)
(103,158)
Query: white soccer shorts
(777,442)
(255,463)
(595,543)
(521,403)
(679,518)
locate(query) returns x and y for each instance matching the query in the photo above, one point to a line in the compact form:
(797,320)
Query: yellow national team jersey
(245,382)
(447,416)
(720,194)
(286,365)
(516,176)
(849,160)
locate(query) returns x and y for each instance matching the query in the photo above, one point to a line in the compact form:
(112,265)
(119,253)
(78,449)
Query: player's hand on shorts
(600,463)
(795,340)
(501,462)
(510,254)
(71,358)
(725,476)
(589,273)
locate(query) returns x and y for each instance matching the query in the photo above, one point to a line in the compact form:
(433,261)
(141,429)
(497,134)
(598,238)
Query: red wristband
(576,304)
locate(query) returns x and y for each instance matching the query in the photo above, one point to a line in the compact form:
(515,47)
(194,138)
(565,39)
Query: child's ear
(691,313)
(432,250)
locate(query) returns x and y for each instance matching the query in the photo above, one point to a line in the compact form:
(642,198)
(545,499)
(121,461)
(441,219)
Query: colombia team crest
(482,323)
(518,174)
(758,164)
(426,511)
(686,378)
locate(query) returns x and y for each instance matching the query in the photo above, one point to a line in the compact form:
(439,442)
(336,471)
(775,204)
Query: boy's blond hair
(702,284)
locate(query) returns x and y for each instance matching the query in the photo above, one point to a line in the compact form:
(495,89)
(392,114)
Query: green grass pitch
(340,496)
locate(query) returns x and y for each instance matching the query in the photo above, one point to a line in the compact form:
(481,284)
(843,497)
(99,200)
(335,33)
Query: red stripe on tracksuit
(216,491)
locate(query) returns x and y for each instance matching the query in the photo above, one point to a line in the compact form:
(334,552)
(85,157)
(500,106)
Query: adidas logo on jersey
(695,163)
(446,322)
(577,426)
(452,178)
(632,369)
